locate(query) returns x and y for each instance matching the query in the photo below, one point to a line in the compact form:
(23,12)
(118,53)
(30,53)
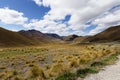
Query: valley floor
(56,62)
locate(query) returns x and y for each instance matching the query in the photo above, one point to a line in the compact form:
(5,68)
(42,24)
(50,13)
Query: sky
(63,17)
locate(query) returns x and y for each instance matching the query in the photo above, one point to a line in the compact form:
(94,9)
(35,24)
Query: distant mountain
(80,39)
(24,38)
(37,36)
(54,35)
(109,35)
(10,38)
(34,37)
(70,37)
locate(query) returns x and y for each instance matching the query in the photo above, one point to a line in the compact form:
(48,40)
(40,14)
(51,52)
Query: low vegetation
(55,62)
(92,69)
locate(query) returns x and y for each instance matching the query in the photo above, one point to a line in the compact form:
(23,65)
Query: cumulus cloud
(9,16)
(81,11)
(109,19)
(38,2)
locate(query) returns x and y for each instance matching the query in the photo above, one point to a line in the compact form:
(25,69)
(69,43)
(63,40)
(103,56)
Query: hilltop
(111,34)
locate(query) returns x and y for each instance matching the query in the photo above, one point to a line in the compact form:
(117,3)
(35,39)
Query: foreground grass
(59,62)
(95,67)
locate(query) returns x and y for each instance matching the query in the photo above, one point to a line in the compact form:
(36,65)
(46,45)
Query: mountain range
(34,37)
(24,38)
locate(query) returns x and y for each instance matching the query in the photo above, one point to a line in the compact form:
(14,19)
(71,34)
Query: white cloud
(49,26)
(81,11)
(9,16)
(108,20)
(38,2)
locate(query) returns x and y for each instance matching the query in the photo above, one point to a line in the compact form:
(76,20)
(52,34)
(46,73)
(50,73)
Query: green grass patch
(97,64)
(66,76)
(80,73)
(111,59)
(83,72)
(106,61)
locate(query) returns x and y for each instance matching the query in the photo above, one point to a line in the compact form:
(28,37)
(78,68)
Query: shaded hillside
(9,38)
(109,35)
(34,37)
(53,35)
(70,37)
(37,36)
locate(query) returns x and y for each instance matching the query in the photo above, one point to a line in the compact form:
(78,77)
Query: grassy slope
(109,35)
(9,38)
(36,36)
(79,39)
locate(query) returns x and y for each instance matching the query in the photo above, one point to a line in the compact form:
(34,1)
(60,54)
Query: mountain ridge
(24,38)
(109,35)
(34,37)
(9,38)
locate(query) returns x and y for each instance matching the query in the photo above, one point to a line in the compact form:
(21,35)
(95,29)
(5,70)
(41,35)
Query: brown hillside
(37,36)
(109,35)
(70,37)
(10,38)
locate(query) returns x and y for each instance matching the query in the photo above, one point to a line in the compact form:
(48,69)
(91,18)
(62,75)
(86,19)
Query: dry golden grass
(49,61)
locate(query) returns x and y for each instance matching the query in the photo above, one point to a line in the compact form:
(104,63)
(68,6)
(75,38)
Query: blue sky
(28,7)
(64,17)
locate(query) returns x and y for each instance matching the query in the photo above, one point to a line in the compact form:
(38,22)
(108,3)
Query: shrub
(58,69)
(47,66)
(17,78)
(2,67)
(2,75)
(14,72)
(31,65)
(37,72)
(73,63)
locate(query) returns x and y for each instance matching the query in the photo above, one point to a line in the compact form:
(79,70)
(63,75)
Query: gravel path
(111,72)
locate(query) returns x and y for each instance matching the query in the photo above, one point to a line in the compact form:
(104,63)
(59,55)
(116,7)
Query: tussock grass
(66,62)
(37,72)
(58,69)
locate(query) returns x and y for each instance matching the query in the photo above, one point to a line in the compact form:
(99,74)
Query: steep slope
(10,38)
(109,35)
(37,36)
(53,35)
